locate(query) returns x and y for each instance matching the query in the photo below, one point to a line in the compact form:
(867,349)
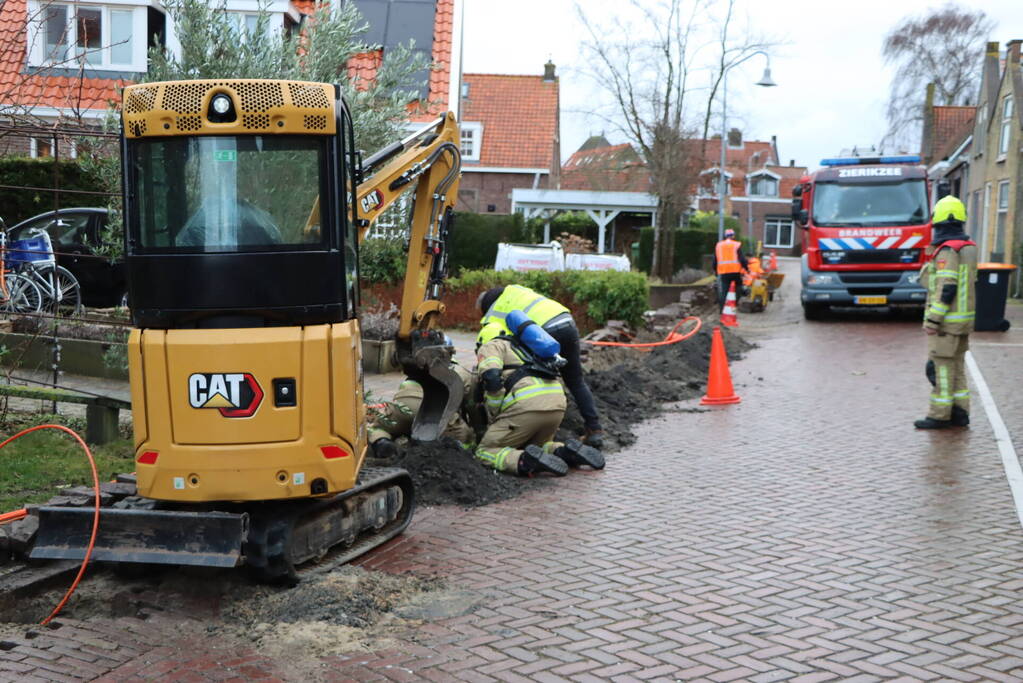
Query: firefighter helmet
(949,208)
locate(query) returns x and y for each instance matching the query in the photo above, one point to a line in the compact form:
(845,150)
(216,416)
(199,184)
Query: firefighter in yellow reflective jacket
(524,410)
(557,321)
(395,417)
(950,276)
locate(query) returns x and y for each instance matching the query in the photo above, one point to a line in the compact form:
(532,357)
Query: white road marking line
(996,344)
(1010,461)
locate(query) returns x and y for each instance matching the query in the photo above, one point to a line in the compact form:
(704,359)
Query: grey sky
(832,83)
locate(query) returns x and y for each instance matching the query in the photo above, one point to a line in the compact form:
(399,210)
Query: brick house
(759,188)
(64,62)
(995,183)
(510,138)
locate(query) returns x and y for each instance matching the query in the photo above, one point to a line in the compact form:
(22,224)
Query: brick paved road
(808,533)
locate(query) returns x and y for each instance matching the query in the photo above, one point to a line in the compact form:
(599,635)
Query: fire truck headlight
(820,279)
(913,278)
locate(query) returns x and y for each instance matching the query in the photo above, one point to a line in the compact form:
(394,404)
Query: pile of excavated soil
(631,385)
(445,473)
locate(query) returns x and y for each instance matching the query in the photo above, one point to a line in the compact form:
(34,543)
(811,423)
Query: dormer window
(96,36)
(471,140)
(763,184)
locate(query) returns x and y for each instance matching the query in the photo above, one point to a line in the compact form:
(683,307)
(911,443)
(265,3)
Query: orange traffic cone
(719,380)
(728,318)
(774,260)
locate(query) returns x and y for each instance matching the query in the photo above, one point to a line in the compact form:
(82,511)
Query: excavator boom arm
(429,161)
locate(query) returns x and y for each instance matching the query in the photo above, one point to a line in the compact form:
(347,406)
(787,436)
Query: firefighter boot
(384,449)
(577,454)
(931,423)
(594,437)
(960,418)
(534,460)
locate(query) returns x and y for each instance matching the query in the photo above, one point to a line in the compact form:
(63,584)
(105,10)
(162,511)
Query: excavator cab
(244,203)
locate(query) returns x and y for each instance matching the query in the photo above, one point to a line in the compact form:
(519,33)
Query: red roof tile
(440,75)
(611,168)
(951,126)
(519,116)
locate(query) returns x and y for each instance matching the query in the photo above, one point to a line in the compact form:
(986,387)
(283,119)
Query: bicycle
(32,257)
(18,294)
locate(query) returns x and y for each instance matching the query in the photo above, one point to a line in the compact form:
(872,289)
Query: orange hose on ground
(672,338)
(95,517)
(13,516)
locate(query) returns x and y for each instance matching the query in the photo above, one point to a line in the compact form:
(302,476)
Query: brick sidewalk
(808,533)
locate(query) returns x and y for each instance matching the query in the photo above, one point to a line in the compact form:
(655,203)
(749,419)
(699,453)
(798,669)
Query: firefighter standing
(556,319)
(729,262)
(524,410)
(949,275)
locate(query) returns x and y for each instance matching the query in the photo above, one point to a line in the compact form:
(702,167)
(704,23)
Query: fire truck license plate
(871,300)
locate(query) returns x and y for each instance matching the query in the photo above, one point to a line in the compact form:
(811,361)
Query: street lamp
(765,81)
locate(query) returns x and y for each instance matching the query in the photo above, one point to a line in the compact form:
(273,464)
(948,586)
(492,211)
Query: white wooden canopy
(602,207)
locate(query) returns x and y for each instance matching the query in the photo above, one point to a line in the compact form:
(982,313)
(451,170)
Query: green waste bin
(992,291)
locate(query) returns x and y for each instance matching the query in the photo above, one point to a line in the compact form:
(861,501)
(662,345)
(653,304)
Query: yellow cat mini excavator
(245,201)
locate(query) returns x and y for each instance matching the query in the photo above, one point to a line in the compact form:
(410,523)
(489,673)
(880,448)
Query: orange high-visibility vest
(727,253)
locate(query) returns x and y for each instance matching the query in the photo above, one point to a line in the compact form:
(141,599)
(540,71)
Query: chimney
(992,48)
(735,138)
(792,163)
(548,72)
(1012,51)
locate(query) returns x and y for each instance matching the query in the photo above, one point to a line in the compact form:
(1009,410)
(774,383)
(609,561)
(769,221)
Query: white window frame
(1001,218)
(778,223)
(68,147)
(760,175)
(1006,131)
(97,59)
(475,135)
(987,218)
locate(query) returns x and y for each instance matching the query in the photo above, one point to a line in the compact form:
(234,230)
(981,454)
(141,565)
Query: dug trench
(344,609)
(628,386)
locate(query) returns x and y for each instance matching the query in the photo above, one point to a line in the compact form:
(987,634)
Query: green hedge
(605,295)
(382,260)
(17,205)
(475,238)
(690,246)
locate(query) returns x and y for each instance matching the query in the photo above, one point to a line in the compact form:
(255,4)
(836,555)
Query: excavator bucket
(429,363)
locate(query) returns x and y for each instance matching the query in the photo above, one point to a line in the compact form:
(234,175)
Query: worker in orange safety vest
(729,263)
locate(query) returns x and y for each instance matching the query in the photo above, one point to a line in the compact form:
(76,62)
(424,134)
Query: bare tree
(647,78)
(944,46)
(658,102)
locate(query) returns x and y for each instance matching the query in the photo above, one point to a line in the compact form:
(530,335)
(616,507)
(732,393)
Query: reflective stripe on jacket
(727,253)
(529,393)
(956,267)
(537,307)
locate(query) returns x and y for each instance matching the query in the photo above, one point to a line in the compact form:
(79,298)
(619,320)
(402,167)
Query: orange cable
(672,337)
(95,517)
(13,516)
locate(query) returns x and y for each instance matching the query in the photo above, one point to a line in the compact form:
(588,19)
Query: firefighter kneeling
(395,417)
(525,401)
(950,277)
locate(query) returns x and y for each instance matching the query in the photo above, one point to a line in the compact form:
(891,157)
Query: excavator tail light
(148,458)
(332,452)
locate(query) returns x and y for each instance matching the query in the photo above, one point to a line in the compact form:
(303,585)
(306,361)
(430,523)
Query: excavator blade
(442,391)
(205,539)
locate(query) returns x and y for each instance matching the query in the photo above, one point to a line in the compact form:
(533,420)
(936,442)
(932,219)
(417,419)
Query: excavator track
(270,538)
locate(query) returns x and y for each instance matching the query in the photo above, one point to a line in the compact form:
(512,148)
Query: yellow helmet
(949,208)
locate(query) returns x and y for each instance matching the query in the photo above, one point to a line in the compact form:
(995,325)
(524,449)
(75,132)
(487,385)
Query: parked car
(75,233)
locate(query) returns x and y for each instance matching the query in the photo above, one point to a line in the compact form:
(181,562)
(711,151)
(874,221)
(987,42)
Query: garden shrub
(383,260)
(21,204)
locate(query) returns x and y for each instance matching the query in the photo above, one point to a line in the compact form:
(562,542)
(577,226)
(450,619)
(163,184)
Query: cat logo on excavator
(234,394)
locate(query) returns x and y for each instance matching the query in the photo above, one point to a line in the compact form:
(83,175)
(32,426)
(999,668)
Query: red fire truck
(866,222)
